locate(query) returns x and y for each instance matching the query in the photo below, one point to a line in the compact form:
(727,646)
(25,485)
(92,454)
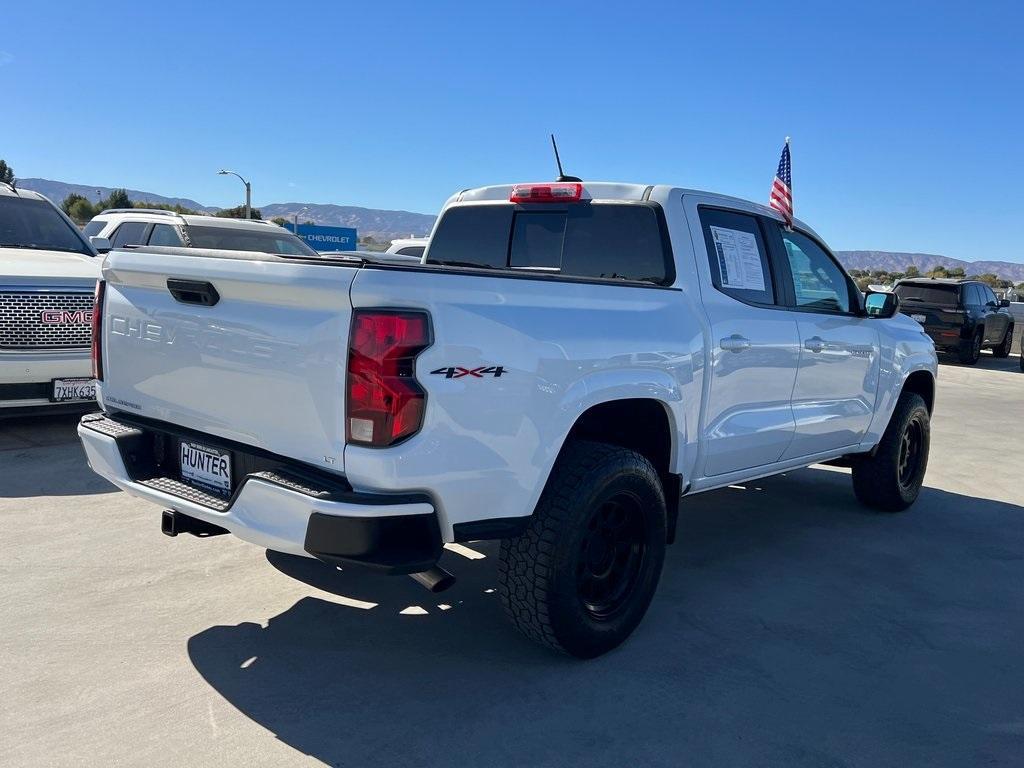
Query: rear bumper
(296,513)
(946,338)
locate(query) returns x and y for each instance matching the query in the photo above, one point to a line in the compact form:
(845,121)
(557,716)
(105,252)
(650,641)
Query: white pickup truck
(567,364)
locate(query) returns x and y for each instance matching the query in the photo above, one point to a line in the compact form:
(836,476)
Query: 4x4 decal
(457,371)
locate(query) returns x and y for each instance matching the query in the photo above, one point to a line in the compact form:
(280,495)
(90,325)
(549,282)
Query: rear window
(608,241)
(917,293)
(272,240)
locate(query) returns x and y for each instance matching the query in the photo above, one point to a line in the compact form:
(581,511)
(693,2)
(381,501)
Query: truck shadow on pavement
(791,627)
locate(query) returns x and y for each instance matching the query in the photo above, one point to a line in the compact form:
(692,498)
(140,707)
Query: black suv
(960,316)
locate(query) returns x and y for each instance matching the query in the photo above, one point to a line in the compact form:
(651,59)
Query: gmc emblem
(64,317)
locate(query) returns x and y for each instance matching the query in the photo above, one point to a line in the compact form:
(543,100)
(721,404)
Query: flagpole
(792,202)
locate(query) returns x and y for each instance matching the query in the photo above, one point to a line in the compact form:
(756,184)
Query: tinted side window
(94,227)
(411,250)
(971,296)
(818,282)
(474,235)
(988,295)
(737,255)
(129,233)
(164,234)
(261,240)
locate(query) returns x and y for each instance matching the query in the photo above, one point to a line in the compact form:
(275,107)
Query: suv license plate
(206,467)
(919,318)
(69,390)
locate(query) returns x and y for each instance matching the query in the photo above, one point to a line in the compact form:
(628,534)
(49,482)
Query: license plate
(69,390)
(206,467)
(919,318)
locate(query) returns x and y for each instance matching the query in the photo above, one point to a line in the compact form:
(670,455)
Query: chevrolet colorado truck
(566,364)
(48,273)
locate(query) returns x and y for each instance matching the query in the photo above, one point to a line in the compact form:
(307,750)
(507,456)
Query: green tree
(70,201)
(81,211)
(118,198)
(1020,286)
(78,208)
(955,272)
(280,220)
(238,212)
(913,271)
(938,271)
(6,172)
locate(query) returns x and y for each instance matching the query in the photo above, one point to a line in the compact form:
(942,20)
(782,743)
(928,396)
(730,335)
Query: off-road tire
(970,349)
(1004,349)
(540,572)
(878,481)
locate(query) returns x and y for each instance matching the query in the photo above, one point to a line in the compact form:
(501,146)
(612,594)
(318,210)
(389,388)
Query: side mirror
(101,244)
(881,305)
(1004,302)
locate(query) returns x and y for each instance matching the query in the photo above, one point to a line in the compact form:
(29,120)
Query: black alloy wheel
(611,556)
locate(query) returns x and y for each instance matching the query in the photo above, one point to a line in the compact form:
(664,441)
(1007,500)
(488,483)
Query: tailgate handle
(193,291)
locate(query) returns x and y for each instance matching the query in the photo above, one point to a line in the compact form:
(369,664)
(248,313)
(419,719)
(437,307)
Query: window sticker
(739,260)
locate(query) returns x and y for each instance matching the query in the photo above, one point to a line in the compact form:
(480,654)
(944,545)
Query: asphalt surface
(791,628)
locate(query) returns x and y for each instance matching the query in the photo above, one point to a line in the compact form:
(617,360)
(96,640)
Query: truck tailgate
(265,365)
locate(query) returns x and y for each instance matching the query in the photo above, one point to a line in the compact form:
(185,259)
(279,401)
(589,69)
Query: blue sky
(907,119)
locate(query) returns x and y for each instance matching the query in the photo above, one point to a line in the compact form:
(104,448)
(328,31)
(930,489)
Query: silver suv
(126,227)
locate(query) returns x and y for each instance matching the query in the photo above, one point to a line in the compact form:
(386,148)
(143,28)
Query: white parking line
(466,552)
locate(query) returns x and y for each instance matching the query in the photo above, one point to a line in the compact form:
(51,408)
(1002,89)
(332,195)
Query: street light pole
(304,209)
(248,191)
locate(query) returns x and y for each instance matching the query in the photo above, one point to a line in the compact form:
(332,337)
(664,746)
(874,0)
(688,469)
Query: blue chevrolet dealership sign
(326,238)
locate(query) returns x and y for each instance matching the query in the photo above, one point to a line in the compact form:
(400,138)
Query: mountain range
(898,262)
(379,224)
(387,225)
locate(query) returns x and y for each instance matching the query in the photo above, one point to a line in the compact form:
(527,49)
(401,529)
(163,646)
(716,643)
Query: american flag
(781,196)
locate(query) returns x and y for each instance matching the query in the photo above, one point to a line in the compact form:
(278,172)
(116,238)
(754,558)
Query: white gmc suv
(566,365)
(48,273)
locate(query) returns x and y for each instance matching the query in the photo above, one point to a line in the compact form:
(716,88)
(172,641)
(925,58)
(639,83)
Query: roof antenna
(558,160)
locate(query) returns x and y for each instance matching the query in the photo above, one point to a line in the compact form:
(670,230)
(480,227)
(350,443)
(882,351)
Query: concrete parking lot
(791,628)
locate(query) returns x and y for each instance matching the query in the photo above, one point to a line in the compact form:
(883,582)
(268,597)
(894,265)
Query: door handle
(734,343)
(814,344)
(193,291)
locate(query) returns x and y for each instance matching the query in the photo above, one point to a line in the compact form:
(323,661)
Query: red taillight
(563,192)
(385,402)
(97,330)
